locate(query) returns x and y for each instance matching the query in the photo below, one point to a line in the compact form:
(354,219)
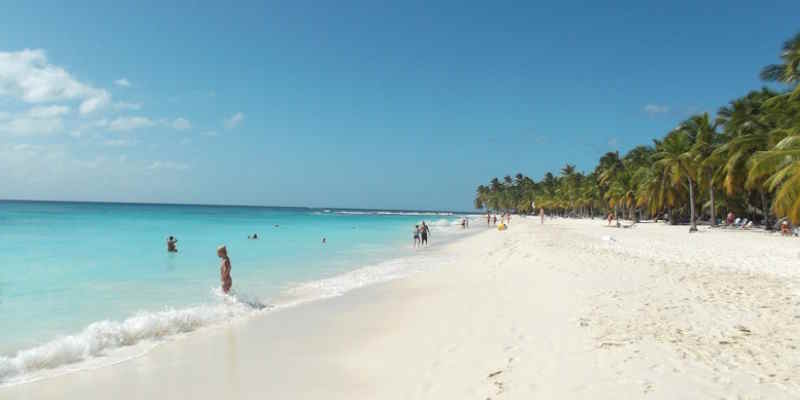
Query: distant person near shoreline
(172,244)
(225,269)
(416,236)
(424,232)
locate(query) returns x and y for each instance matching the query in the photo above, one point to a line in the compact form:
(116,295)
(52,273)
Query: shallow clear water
(65,266)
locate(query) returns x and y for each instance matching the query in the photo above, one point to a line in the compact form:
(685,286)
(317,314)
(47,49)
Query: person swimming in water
(172,244)
(225,269)
(254,236)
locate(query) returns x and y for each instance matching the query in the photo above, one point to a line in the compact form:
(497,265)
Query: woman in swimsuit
(225,269)
(416,235)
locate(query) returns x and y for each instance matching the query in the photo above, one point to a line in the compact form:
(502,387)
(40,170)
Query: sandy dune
(567,310)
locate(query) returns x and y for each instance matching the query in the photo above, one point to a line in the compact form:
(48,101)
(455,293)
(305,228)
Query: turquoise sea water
(81,279)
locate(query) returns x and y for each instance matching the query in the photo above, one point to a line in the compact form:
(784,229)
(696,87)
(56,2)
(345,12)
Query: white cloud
(35,121)
(48,111)
(26,147)
(124,105)
(653,109)
(28,76)
(119,142)
(234,120)
(25,126)
(171,165)
(130,123)
(181,124)
(95,102)
(124,82)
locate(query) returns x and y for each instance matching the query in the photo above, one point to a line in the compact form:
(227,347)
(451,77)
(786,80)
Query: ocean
(86,284)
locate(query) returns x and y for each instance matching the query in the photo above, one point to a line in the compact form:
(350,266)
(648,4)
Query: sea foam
(103,337)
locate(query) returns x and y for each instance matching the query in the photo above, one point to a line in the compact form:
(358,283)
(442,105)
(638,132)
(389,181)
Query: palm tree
(789,71)
(607,169)
(675,157)
(747,130)
(782,165)
(706,138)
(622,192)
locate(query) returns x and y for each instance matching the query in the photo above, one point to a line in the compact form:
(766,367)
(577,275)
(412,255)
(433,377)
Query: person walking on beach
(488,219)
(416,236)
(494,219)
(172,244)
(541,215)
(424,232)
(225,269)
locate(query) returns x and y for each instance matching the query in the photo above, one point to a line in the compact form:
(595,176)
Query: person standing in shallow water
(225,269)
(172,244)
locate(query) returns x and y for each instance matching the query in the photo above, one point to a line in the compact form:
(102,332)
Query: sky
(393,105)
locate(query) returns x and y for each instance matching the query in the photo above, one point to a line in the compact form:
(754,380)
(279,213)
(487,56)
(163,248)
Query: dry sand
(565,310)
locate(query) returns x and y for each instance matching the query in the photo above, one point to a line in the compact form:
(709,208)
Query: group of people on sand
(491,219)
(421,233)
(784,224)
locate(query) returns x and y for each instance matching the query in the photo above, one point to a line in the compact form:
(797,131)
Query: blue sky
(353,104)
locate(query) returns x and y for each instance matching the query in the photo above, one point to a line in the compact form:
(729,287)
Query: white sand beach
(566,310)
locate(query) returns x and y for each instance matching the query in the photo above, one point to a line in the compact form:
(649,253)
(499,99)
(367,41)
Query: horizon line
(225,205)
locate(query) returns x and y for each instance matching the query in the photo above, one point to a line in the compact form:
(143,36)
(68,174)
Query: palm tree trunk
(693,227)
(713,207)
(764,210)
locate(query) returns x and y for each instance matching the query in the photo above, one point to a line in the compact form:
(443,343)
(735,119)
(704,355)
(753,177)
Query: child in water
(225,269)
(172,244)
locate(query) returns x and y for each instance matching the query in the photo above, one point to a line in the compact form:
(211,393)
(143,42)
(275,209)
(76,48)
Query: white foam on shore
(103,337)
